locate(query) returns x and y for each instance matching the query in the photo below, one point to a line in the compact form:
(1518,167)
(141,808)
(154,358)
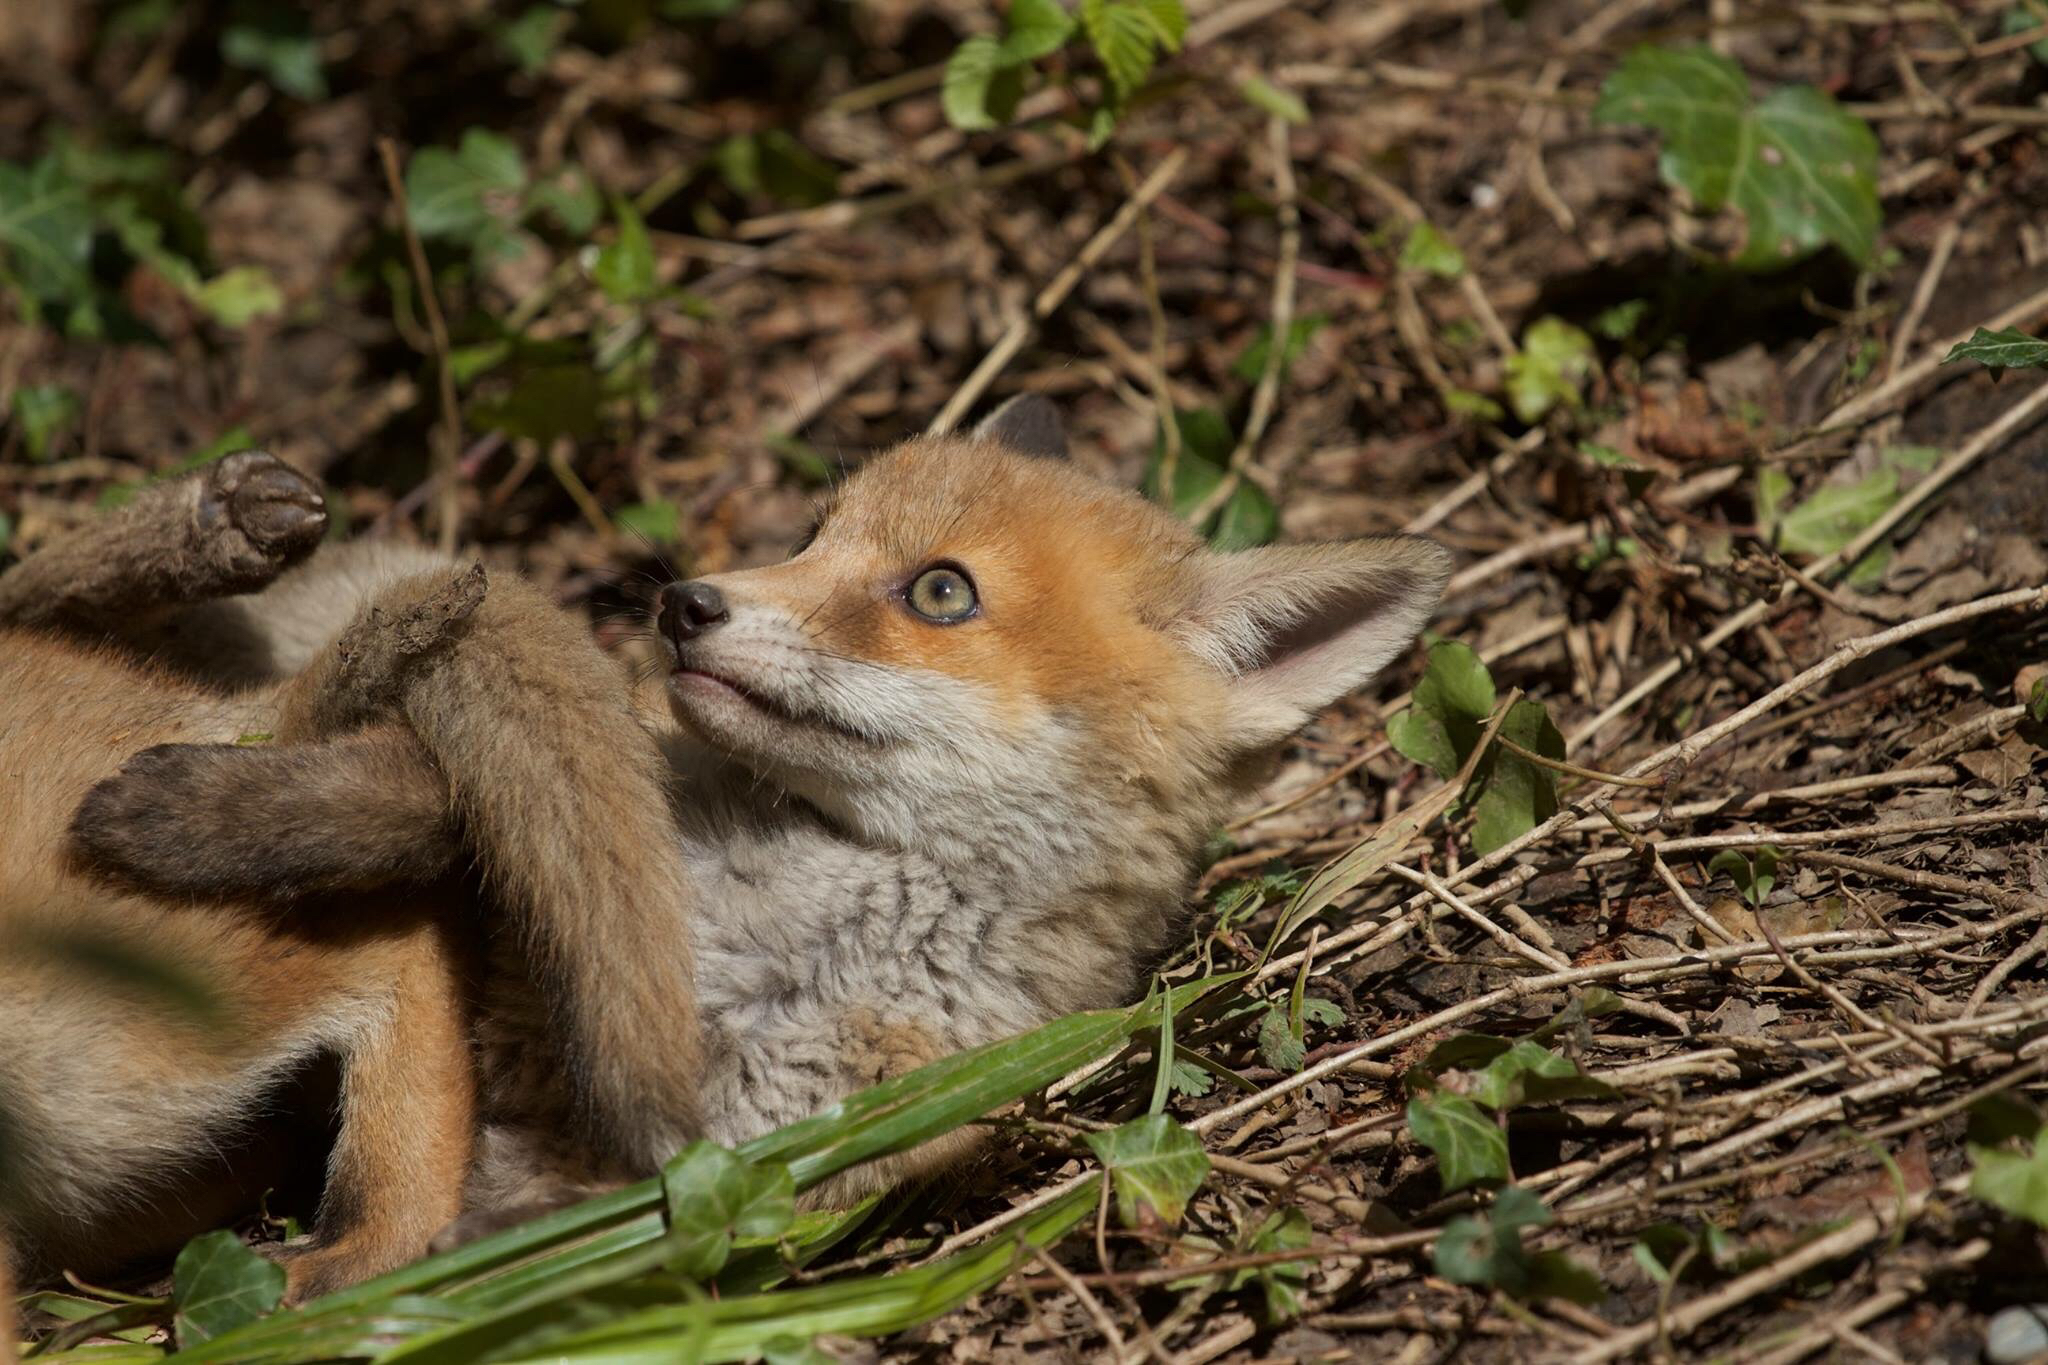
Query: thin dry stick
(1858,1234)
(1267,393)
(1996,977)
(1985,441)
(448,438)
(1103,1322)
(1055,293)
(1436,888)
(1923,293)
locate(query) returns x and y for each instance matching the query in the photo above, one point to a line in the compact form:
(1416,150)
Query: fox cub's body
(940,777)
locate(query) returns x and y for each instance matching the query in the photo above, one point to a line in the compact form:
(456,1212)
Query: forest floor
(1772,570)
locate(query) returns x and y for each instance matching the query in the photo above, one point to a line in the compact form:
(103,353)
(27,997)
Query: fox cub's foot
(255,516)
(407,624)
(172,821)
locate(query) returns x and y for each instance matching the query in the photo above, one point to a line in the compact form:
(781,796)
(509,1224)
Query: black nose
(690,609)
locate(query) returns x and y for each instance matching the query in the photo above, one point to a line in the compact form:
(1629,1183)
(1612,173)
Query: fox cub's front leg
(231,527)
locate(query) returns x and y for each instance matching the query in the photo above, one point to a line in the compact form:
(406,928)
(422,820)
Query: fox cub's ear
(1298,626)
(1028,424)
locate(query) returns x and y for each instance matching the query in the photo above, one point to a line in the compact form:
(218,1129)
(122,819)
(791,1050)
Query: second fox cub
(940,777)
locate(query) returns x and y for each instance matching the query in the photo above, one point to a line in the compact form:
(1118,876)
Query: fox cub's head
(981,646)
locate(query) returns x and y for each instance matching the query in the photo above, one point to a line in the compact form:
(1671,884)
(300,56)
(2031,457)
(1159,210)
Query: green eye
(944,595)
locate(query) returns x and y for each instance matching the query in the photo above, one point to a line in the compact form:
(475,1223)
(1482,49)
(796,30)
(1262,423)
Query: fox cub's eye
(942,595)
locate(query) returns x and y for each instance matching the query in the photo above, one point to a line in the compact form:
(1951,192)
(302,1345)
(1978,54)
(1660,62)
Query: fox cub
(938,778)
(942,776)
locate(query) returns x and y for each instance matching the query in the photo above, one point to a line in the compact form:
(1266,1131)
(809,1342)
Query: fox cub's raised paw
(169,822)
(407,624)
(255,517)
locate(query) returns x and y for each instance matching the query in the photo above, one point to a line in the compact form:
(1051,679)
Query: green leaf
(531,38)
(625,269)
(1489,1251)
(6,532)
(969,73)
(1279,1045)
(1800,169)
(1186,1078)
(2002,1117)
(715,1195)
(1475,406)
(1281,1230)
(1271,98)
(1754,871)
(545,402)
(777,165)
(237,297)
(1550,369)
(790,1351)
(1126,35)
(1469,1145)
(1248,518)
(1428,250)
(660,522)
(1155,1166)
(2008,349)
(1516,795)
(1449,708)
(1169,19)
(1251,362)
(46,228)
(42,411)
(2012,1181)
(1619,323)
(2037,702)
(2020,19)
(218,1284)
(1529,1073)
(1828,520)
(468,194)
(571,197)
(278,44)
(1038,28)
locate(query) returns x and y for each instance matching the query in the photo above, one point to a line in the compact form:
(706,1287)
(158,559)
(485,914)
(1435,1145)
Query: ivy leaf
(1488,1250)
(2008,349)
(1550,368)
(1529,1073)
(1754,871)
(530,39)
(1156,1166)
(1038,28)
(278,44)
(625,269)
(46,228)
(237,297)
(1251,362)
(1516,795)
(1800,169)
(1429,251)
(469,194)
(1469,1145)
(1281,1230)
(218,1284)
(545,402)
(1449,709)
(42,411)
(1248,518)
(715,1195)
(2013,1181)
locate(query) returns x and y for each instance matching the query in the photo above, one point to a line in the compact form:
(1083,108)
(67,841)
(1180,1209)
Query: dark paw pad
(259,499)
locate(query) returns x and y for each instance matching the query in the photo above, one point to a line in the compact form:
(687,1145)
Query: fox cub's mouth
(688,678)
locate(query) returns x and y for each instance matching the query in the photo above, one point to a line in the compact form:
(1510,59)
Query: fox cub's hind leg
(408,1123)
(229,528)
